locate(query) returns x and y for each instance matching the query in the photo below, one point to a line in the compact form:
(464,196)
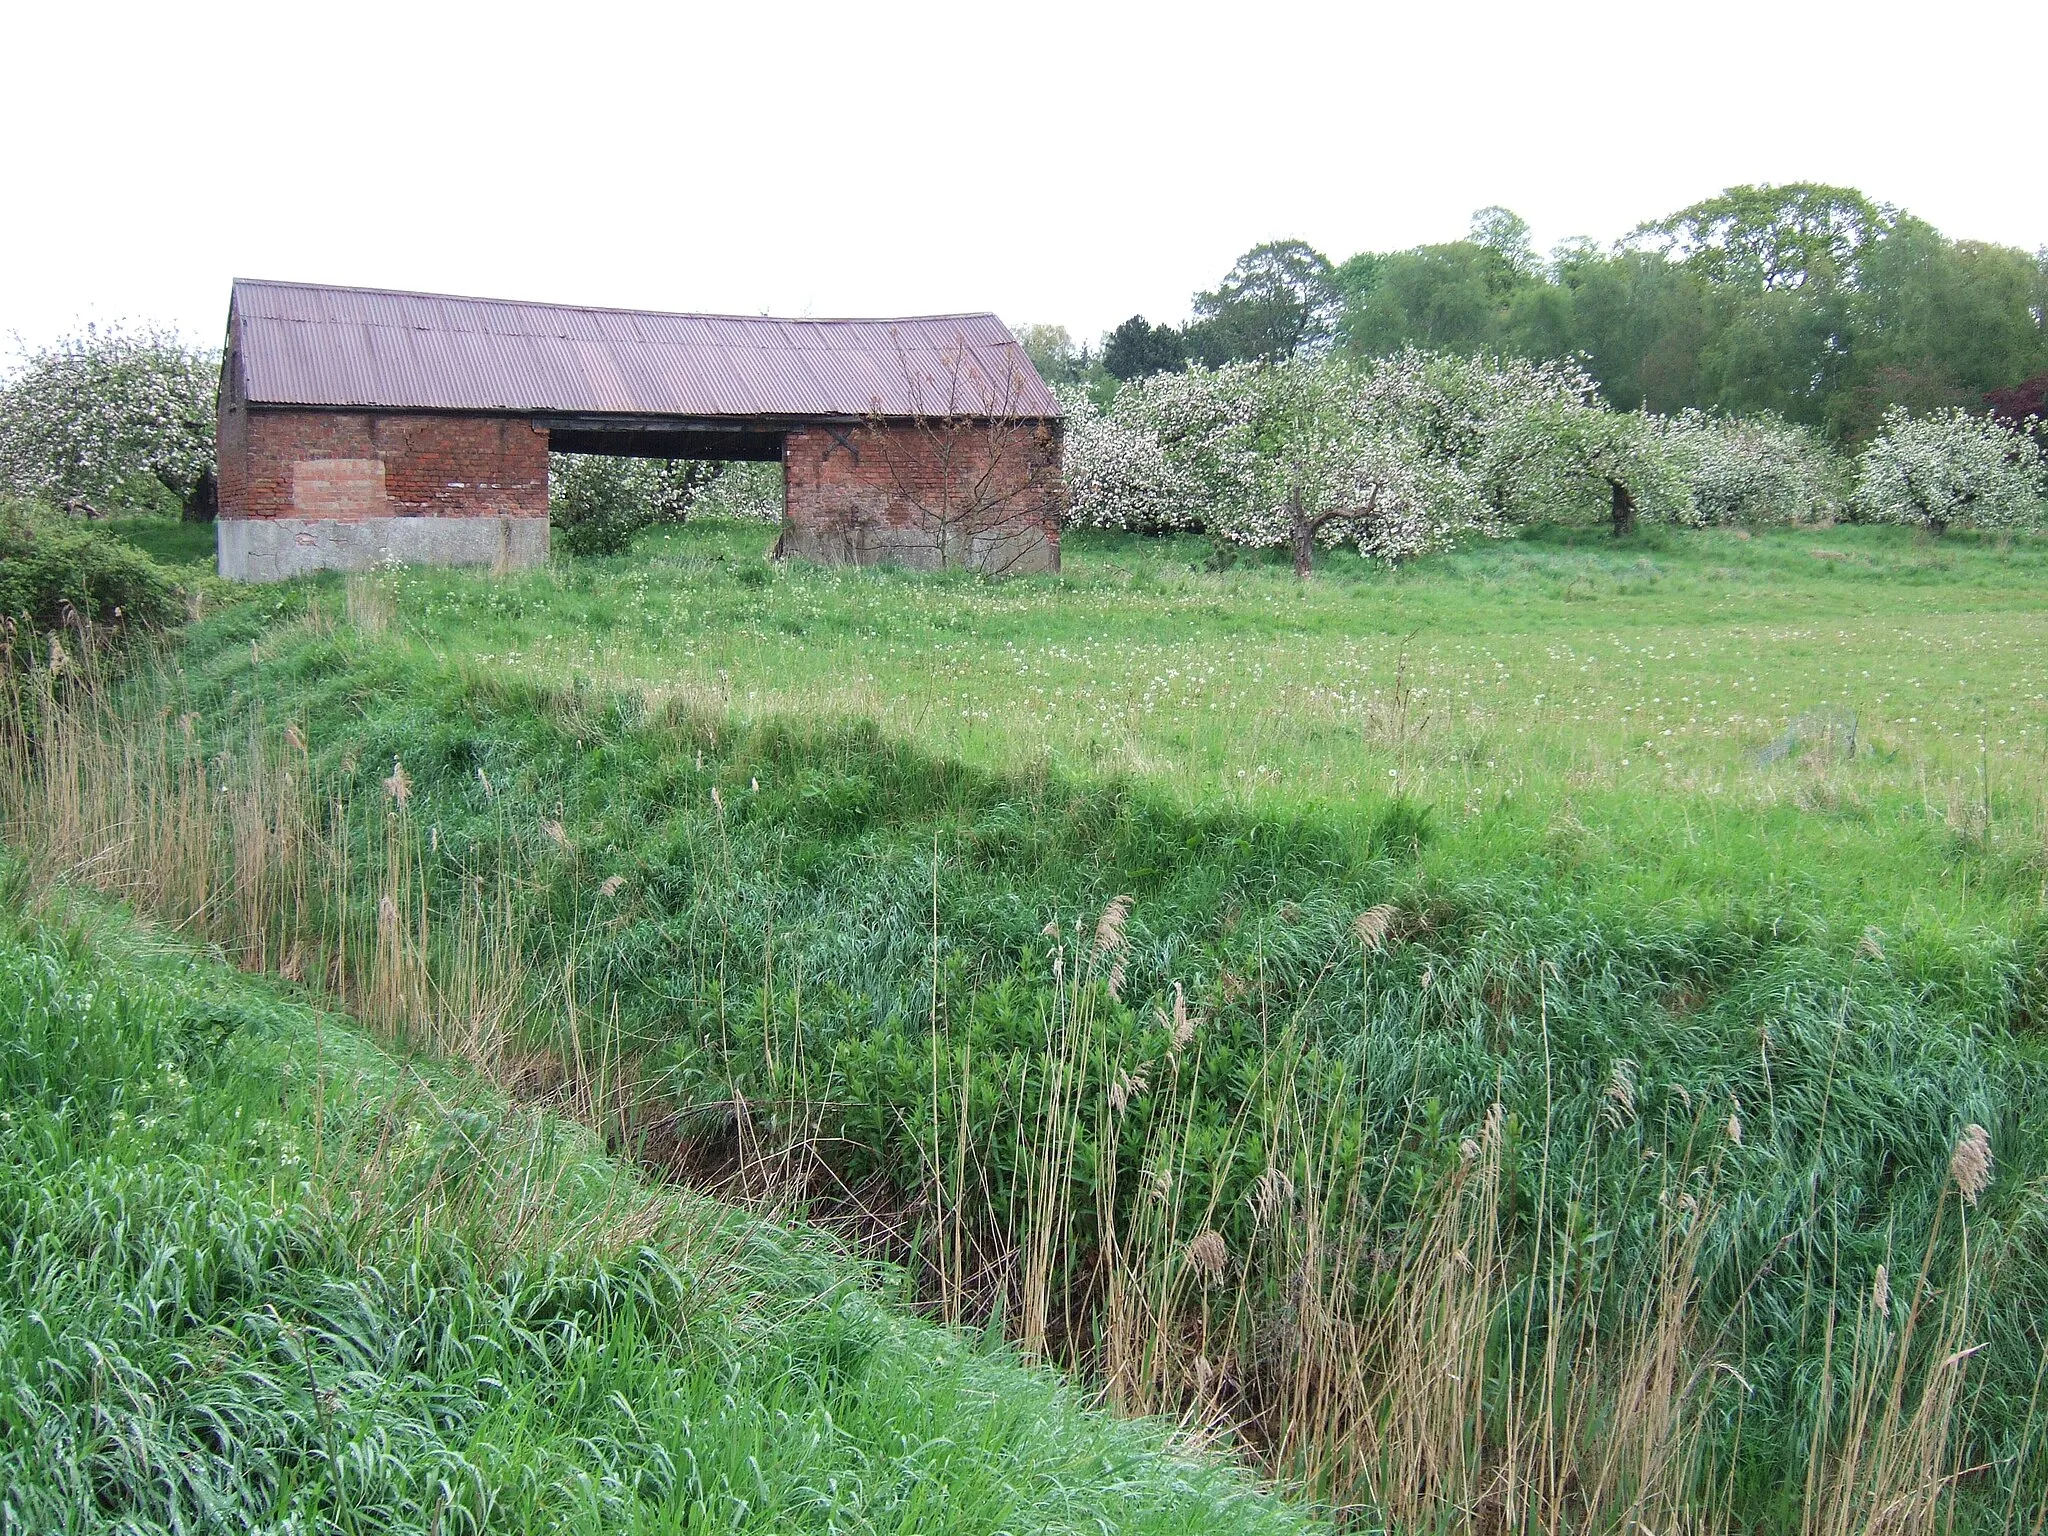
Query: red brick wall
(288,463)
(925,495)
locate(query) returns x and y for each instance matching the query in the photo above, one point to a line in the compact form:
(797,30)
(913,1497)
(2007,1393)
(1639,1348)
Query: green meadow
(1544,1038)
(1847,724)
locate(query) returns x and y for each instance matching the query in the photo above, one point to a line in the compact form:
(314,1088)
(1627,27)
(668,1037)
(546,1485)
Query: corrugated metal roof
(309,344)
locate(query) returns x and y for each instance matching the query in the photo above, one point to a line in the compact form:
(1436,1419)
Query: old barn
(362,425)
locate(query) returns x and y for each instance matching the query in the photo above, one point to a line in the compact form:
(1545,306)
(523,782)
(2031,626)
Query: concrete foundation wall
(278,548)
(925,495)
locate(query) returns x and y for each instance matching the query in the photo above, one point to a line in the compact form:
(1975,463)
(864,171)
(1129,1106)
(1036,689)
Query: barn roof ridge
(240,283)
(325,346)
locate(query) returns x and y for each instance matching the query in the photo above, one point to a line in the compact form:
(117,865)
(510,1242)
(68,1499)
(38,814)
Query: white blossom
(110,417)
(1757,469)
(1951,469)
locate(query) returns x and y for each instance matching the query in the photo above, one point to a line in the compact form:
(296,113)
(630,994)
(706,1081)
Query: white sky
(1057,162)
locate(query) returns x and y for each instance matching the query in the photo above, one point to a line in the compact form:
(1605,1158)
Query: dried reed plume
(1374,924)
(1111,942)
(1272,1194)
(1109,928)
(1970,1164)
(1183,1027)
(1126,1088)
(1620,1093)
(1208,1254)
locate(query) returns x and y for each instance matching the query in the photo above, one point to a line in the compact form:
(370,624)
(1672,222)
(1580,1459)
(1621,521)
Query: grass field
(1339,1015)
(1851,724)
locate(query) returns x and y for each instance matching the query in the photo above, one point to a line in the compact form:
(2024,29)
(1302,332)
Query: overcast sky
(1053,162)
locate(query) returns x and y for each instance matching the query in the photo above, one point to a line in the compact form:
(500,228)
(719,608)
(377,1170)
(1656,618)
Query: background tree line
(1807,301)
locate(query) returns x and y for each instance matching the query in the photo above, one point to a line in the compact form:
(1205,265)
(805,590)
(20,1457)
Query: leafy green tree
(1938,323)
(1138,348)
(1801,236)
(1506,234)
(1280,298)
(1355,278)
(1053,353)
(1438,297)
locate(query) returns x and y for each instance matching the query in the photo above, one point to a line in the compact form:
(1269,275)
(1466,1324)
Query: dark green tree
(1138,348)
(1641,321)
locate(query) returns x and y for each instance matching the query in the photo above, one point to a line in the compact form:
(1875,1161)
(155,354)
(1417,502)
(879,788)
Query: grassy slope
(259,1273)
(1701,923)
(1617,695)
(186,548)
(1530,983)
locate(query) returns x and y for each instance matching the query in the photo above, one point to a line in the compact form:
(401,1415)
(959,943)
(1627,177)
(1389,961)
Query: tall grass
(259,1274)
(1601,1304)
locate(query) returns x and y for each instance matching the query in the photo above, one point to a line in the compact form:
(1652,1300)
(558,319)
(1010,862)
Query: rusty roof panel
(308,344)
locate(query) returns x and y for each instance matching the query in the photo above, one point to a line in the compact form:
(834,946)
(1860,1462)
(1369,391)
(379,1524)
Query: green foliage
(50,564)
(1279,298)
(1801,236)
(1805,301)
(1137,349)
(1053,353)
(597,503)
(260,1274)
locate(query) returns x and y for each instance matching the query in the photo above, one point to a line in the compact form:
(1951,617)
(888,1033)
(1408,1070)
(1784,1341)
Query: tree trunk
(202,502)
(1301,535)
(1623,507)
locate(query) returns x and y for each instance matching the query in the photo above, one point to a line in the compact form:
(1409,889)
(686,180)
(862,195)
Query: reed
(1433,1328)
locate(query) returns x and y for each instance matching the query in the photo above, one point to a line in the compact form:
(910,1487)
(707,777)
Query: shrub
(598,503)
(748,492)
(1951,469)
(47,563)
